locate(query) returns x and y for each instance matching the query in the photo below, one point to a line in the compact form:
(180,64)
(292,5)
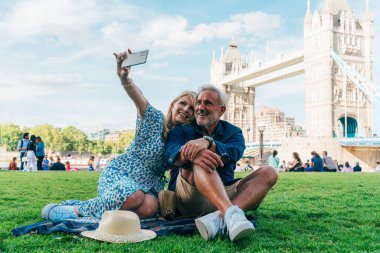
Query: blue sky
(57,65)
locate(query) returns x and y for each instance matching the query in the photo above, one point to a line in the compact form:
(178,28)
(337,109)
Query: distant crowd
(33,158)
(316,163)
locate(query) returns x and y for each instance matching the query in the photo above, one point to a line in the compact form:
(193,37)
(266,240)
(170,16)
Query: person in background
(51,161)
(347,168)
(274,161)
(337,166)
(377,169)
(21,147)
(91,163)
(283,166)
(97,163)
(68,167)
(357,167)
(329,165)
(40,152)
(295,164)
(45,163)
(31,164)
(58,165)
(13,164)
(248,166)
(316,162)
(307,166)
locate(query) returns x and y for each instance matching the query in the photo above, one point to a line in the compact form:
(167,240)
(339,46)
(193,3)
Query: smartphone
(135,58)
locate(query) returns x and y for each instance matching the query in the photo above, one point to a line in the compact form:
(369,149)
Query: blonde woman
(132,180)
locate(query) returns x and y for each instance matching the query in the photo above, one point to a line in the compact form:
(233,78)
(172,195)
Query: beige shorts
(191,202)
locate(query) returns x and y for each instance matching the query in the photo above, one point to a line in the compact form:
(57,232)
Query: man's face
(27,137)
(208,109)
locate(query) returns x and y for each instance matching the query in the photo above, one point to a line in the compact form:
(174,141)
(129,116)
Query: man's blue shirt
(24,143)
(229,140)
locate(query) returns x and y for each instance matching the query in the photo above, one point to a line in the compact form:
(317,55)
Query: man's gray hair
(222,96)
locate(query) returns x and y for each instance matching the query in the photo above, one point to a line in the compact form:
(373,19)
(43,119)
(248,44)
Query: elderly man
(204,156)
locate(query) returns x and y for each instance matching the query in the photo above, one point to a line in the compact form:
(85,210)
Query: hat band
(119,238)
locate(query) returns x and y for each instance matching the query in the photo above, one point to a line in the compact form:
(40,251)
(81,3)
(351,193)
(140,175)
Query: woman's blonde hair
(168,124)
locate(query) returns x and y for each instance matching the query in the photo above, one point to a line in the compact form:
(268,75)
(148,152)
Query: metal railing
(361,142)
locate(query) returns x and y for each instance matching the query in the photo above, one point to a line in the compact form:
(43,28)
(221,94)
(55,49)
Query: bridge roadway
(285,66)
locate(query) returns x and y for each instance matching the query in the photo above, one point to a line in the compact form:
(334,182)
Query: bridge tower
(334,106)
(240,108)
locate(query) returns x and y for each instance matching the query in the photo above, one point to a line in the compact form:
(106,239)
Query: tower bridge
(336,62)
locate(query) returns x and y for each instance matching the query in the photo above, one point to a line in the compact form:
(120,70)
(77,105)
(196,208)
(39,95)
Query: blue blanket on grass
(179,226)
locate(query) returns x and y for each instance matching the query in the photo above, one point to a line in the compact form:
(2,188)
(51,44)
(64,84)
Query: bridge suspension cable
(361,82)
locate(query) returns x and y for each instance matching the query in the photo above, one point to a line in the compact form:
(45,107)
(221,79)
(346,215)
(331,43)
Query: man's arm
(19,148)
(175,140)
(175,145)
(231,150)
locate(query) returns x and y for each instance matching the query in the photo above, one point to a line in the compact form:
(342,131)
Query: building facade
(240,108)
(334,105)
(277,125)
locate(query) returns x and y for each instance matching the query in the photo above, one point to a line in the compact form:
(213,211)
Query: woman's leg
(111,198)
(34,163)
(28,165)
(39,162)
(134,201)
(148,208)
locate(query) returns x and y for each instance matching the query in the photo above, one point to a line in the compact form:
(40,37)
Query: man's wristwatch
(210,141)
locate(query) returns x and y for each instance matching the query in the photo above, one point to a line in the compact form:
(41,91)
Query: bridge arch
(352,127)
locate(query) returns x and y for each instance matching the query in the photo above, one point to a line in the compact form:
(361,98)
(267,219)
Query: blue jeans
(22,154)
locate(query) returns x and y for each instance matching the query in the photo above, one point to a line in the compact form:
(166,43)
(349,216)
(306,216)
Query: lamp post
(261,129)
(247,129)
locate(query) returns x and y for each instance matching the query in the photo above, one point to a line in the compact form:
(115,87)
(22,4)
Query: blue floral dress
(141,167)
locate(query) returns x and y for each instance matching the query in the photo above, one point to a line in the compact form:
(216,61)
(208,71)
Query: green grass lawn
(304,212)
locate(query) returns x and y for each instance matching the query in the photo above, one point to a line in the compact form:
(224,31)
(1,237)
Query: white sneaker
(237,224)
(210,225)
(54,212)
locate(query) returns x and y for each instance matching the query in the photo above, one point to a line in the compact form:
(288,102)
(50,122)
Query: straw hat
(120,227)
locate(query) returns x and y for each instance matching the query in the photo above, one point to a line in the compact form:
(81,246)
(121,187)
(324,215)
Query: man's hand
(192,148)
(208,160)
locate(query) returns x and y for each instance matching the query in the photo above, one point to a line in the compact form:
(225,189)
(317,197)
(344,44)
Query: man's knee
(268,175)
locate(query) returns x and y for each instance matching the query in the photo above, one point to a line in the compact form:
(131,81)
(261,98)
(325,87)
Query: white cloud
(173,32)
(50,18)
(35,87)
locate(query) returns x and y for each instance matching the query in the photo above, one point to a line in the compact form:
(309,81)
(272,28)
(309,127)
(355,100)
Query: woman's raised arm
(129,86)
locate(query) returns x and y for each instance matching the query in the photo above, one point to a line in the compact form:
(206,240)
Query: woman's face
(182,110)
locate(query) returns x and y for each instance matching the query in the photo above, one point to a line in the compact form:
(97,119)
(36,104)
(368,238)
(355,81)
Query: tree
(100,147)
(50,135)
(10,134)
(74,140)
